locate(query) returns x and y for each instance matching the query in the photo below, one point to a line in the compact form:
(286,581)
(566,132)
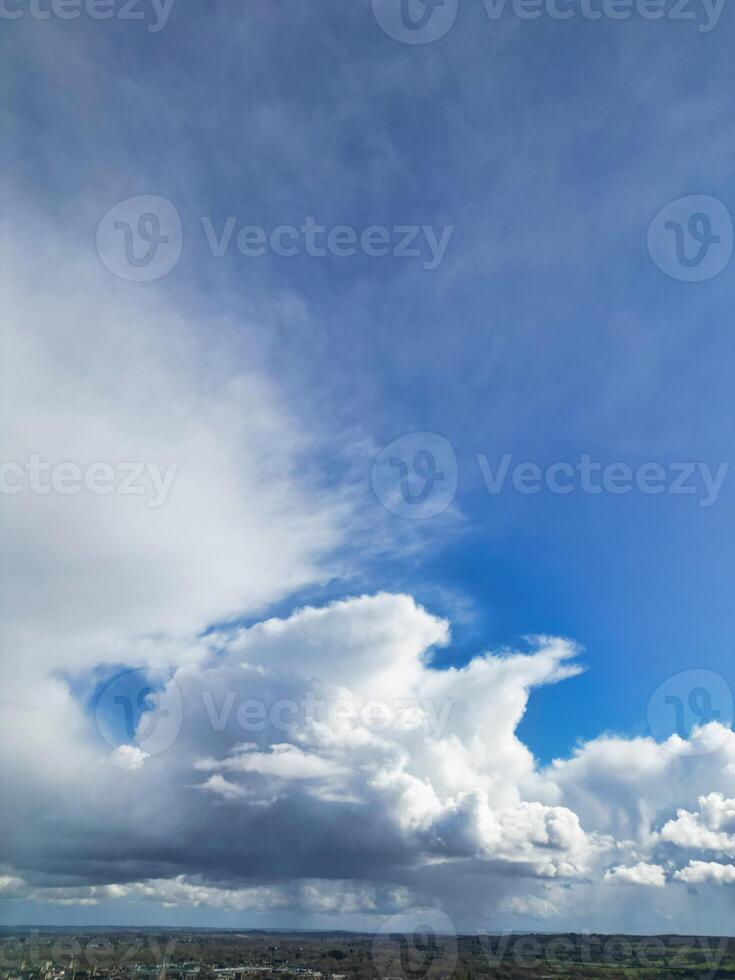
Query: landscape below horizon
(390,954)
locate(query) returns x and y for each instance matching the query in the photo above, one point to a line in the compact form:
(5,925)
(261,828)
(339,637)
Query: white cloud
(530,905)
(91,374)
(283,760)
(222,787)
(703,872)
(459,809)
(707,830)
(128,757)
(309,896)
(648,875)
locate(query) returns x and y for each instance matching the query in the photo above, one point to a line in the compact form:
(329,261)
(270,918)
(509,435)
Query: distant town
(37,954)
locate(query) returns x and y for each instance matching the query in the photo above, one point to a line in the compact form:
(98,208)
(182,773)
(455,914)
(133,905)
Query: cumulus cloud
(648,875)
(702,872)
(375,782)
(709,829)
(284,777)
(128,757)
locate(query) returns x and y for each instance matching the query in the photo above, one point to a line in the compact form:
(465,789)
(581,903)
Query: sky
(366,448)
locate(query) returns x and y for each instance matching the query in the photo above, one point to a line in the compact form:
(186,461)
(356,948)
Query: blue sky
(547,332)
